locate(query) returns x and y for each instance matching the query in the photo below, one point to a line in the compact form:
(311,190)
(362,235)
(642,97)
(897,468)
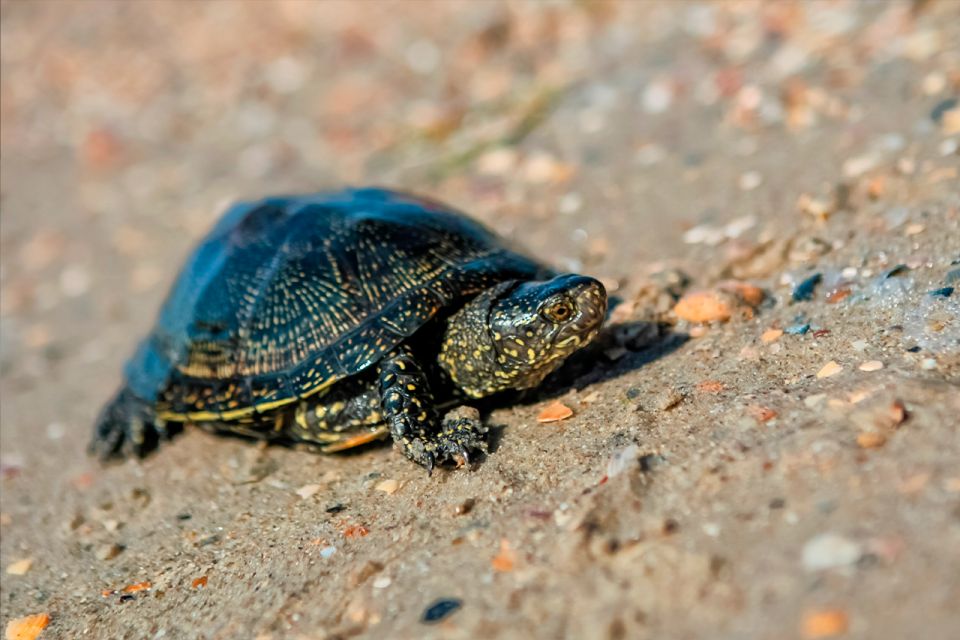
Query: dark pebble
(946,105)
(944,292)
(633,393)
(184,516)
(895,271)
(804,290)
(440,610)
(651,461)
(778,503)
(914,349)
(798,329)
(336,508)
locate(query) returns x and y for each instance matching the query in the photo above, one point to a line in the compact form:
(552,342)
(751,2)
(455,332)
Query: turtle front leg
(408,408)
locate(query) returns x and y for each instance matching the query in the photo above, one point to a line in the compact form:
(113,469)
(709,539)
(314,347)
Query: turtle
(344,317)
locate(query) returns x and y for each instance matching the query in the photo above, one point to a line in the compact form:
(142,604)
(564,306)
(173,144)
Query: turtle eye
(558,312)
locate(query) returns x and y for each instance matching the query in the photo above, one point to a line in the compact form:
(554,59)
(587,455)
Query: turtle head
(513,335)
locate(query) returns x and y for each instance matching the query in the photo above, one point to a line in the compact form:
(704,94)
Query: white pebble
(74,281)
(657,97)
(750,180)
(327,552)
(423,57)
(829,551)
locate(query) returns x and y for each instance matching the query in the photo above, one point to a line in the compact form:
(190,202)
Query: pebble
(20,567)
(308,490)
(75,281)
(623,460)
(389,486)
(657,97)
(871,365)
(750,180)
(871,440)
(944,292)
(382,582)
(829,369)
(804,290)
(825,623)
(798,329)
(109,551)
(440,609)
(830,551)
(771,335)
(703,306)
(327,552)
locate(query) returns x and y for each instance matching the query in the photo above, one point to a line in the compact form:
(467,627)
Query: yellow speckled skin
(295,318)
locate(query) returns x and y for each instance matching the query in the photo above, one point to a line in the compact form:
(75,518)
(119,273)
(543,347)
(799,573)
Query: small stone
(871,365)
(825,623)
(771,335)
(20,567)
(308,490)
(327,552)
(703,306)
(812,402)
(871,440)
(465,507)
(382,582)
(389,486)
(623,460)
(829,369)
(830,551)
(804,290)
(750,181)
(109,551)
(440,609)
(497,162)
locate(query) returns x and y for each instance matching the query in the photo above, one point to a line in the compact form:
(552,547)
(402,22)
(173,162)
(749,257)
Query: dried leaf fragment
(139,586)
(28,627)
(554,412)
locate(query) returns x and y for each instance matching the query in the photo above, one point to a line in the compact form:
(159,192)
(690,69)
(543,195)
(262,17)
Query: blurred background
(745,139)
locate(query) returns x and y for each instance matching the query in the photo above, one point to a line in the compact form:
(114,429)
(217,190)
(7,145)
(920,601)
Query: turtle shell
(288,295)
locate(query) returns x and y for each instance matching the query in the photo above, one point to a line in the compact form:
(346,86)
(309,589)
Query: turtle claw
(124,429)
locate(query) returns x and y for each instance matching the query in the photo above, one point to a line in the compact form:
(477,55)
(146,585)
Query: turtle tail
(126,425)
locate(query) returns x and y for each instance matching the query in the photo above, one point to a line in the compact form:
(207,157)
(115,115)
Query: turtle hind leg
(127,426)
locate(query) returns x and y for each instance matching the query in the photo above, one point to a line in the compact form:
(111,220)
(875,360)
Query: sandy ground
(791,473)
